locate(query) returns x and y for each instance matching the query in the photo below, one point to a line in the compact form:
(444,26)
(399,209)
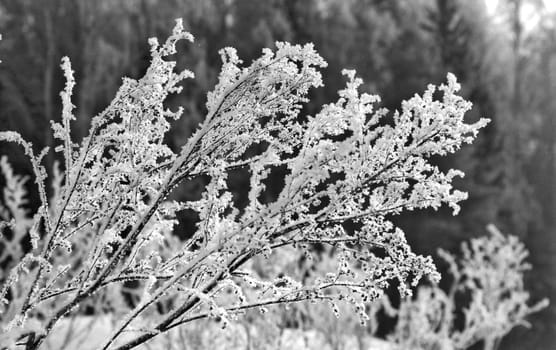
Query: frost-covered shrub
(109,223)
(489,277)
(485,300)
(14,213)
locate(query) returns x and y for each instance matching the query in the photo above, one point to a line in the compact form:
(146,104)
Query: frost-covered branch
(110,222)
(490,274)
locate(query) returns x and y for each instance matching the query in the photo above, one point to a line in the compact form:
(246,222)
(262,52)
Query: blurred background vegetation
(503,52)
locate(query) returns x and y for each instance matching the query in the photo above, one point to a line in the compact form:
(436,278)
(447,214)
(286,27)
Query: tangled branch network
(108,221)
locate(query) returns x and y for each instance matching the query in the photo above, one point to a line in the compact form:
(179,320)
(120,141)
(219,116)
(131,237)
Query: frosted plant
(490,275)
(111,224)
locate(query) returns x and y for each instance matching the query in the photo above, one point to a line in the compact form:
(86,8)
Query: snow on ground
(88,332)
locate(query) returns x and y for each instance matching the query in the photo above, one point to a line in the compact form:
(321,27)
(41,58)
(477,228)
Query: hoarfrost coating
(109,221)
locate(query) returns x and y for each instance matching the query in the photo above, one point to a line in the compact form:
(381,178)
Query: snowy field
(86,333)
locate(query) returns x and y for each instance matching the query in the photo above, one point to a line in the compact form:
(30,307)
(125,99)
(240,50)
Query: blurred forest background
(504,56)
